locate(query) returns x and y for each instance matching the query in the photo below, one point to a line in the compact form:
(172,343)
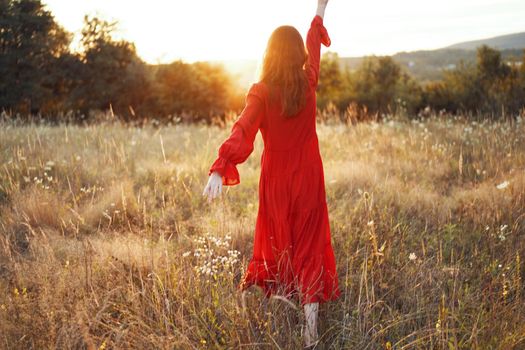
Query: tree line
(488,88)
(41,75)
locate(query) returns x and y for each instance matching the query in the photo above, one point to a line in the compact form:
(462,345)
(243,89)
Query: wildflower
(502,185)
(502,232)
(185,254)
(412,256)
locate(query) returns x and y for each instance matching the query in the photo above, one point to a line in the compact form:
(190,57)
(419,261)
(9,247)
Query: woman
(292,247)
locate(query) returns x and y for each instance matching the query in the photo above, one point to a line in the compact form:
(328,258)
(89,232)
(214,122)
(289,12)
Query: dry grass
(106,241)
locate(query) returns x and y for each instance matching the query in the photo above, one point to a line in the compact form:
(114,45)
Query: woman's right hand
(214,186)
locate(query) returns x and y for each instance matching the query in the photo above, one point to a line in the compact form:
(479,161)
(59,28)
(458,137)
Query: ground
(106,241)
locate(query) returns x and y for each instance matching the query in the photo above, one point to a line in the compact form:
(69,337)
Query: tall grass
(106,241)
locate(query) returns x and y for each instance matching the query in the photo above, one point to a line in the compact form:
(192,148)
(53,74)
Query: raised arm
(317,35)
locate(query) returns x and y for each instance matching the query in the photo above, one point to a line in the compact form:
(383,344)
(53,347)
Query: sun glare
(164,31)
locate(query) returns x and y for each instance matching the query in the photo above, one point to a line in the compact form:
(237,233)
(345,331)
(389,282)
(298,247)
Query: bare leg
(311,313)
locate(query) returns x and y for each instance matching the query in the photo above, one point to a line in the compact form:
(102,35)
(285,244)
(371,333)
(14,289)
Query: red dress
(292,250)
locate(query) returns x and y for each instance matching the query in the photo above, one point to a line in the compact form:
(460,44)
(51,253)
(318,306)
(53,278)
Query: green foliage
(375,83)
(195,91)
(379,84)
(111,73)
(331,80)
(40,74)
(490,86)
(31,43)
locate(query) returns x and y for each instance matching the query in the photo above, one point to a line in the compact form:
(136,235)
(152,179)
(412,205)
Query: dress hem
(263,274)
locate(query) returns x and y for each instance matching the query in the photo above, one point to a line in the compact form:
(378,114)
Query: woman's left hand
(214,186)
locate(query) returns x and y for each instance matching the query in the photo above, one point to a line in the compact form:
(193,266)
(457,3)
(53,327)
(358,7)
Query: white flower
(502,185)
(186,254)
(412,256)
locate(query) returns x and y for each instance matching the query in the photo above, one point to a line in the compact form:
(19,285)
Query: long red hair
(283,69)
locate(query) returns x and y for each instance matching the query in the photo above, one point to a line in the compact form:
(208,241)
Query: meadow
(107,243)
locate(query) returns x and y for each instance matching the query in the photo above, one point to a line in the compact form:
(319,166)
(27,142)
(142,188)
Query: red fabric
(292,252)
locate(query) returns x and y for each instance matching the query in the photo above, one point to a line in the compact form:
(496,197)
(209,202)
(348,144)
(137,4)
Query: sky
(200,30)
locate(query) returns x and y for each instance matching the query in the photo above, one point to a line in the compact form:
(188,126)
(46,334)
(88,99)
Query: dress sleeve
(317,35)
(239,145)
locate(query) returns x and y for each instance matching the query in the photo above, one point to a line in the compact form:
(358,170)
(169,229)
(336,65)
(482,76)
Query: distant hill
(429,65)
(423,65)
(502,42)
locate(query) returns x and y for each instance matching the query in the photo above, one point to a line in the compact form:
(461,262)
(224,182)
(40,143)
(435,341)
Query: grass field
(107,243)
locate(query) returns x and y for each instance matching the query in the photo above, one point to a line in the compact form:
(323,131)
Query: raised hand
(321,6)
(214,186)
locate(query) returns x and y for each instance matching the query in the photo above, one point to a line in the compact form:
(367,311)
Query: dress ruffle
(313,281)
(230,174)
(325,38)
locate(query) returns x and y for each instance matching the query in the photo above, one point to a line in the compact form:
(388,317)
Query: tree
(438,95)
(111,73)
(31,44)
(198,91)
(492,74)
(463,85)
(376,83)
(330,84)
